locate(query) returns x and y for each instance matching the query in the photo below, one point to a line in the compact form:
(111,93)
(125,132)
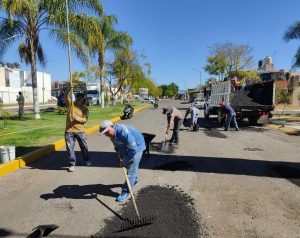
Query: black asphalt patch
(172,208)
(253,149)
(214,133)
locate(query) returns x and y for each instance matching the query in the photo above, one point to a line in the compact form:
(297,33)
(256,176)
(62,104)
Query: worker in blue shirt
(130,144)
(231,116)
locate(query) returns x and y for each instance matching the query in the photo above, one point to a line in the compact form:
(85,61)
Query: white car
(199,103)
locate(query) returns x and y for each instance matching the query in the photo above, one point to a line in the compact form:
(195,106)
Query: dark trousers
(231,118)
(81,138)
(176,129)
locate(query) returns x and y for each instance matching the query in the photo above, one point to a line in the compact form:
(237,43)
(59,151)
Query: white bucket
(12,152)
(4,155)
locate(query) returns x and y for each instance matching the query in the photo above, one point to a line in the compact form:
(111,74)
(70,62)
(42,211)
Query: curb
(24,160)
(285,129)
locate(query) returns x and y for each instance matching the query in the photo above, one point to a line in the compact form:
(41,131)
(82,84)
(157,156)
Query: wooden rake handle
(130,189)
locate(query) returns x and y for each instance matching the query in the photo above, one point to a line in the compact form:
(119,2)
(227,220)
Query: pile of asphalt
(171,208)
(240,98)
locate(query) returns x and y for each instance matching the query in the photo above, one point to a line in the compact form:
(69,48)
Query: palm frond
(77,45)
(24,53)
(293,32)
(9,33)
(296,62)
(40,55)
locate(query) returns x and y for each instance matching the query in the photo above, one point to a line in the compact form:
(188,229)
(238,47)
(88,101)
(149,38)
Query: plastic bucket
(11,152)
(4,155)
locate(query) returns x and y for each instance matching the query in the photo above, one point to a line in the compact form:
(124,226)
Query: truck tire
(221,119)
(206,113)
(252,120)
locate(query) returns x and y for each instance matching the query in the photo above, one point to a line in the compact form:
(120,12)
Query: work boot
(236,129)
(226,129)
(123,196)
(71,168)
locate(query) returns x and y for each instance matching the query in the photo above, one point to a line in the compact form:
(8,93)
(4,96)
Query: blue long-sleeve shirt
(228,109)
(128,140)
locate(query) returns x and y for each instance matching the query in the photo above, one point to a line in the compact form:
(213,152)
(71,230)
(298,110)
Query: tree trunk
(36,106)
(101,66)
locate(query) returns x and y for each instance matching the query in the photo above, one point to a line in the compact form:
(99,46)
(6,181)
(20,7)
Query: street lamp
(200,76)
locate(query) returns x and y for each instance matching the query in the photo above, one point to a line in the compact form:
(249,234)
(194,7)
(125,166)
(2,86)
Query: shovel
(165,145)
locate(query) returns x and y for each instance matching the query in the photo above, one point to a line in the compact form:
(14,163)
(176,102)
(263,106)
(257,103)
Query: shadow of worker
(82,191)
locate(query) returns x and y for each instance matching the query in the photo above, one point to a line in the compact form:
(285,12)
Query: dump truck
(254,101)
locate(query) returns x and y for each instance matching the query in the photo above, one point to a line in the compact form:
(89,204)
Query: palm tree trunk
(36,107)
(101,66)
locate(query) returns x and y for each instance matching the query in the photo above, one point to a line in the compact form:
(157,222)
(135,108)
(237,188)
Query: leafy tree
(169,90)
(27,19)
(102,39)
(121,70)
(228,59)
(293,33)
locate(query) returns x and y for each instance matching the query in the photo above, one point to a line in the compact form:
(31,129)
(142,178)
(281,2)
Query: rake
(129,224)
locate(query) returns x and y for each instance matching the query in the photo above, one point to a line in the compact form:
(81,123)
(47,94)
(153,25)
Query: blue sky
(175,35)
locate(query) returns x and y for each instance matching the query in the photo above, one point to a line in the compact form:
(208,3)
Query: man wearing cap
(230,116)
(77,116)
(129,144)
(173,115)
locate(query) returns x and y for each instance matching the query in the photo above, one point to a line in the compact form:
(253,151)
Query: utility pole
(200,76)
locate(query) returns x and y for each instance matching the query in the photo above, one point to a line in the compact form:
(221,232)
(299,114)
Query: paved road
(245,184)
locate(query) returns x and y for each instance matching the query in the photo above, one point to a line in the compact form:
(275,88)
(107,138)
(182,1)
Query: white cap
(104,126)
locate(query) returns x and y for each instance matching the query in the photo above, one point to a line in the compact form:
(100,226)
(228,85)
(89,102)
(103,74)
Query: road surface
(245,184)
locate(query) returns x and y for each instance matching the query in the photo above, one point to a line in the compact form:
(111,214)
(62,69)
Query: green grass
(29,134)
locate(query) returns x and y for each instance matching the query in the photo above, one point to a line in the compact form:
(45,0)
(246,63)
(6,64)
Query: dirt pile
(172,208)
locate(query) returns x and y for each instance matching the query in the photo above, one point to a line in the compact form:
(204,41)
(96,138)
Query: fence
(9,94)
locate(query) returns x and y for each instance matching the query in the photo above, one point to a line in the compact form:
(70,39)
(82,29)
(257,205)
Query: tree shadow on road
(171,162)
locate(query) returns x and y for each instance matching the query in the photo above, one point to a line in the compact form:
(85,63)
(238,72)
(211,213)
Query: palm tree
(26,19)
(103,39)
(292,33)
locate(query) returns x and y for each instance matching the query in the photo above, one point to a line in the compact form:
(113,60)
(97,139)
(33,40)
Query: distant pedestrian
(21,101)
(195,112)
(77,116)
(129,144)
(230,116)
(173,116)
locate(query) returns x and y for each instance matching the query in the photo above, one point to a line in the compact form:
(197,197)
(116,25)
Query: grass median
(30,134)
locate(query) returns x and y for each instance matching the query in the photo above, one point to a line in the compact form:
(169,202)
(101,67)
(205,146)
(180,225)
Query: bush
(281,95)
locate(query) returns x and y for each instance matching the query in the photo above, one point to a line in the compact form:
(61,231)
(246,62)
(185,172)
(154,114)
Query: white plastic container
(12,152)
(4,155)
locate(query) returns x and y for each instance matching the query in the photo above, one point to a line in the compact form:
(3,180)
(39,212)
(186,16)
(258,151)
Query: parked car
(199,103)
(91,101)
(146,100)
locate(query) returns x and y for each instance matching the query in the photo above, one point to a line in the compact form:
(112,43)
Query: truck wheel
(206,113)
(221,120)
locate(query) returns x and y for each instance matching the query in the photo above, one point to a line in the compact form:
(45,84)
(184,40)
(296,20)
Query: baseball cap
(104,126)
(167,110)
